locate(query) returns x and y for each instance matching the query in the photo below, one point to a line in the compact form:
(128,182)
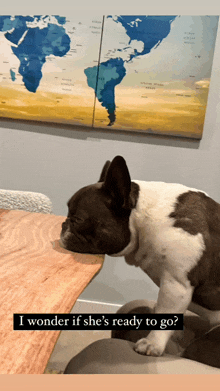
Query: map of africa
(137,73)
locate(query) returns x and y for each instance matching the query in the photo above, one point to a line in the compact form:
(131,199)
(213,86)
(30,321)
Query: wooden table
(36,276)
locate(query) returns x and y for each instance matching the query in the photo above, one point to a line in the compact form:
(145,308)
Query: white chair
(25,200)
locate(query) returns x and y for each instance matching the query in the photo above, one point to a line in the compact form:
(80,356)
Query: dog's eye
(76,219)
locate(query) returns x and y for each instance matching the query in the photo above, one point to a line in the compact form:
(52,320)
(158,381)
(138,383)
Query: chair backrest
(25,200)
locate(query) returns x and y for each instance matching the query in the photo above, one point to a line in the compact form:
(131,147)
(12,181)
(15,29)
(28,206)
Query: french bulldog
(170,231)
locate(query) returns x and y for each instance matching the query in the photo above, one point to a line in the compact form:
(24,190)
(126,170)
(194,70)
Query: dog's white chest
(153,265)
(156,245)
(149,261)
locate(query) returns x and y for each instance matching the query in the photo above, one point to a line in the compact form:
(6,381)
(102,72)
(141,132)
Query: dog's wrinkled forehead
(84,199)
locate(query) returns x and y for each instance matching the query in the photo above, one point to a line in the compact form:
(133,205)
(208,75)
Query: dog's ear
(118,182)
(104,171)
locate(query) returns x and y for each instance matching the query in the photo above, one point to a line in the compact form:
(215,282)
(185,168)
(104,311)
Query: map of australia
(136,73)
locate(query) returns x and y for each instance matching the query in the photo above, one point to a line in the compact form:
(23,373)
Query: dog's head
(98,216)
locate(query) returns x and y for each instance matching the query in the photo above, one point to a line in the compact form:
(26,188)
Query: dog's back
(206,275)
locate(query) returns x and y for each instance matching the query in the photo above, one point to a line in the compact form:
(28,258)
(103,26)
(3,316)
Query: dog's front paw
(149,348)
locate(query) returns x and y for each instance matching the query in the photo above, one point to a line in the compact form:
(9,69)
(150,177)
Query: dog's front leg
(174,297)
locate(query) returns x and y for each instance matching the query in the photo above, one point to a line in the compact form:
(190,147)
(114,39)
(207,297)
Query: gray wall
(57,161)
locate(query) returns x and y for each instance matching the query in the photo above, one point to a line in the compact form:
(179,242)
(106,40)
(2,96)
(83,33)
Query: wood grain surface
(36,276)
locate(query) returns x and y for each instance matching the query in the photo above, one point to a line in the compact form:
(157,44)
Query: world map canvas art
(133,73)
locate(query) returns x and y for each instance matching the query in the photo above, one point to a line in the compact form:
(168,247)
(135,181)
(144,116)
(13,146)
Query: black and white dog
(170,231)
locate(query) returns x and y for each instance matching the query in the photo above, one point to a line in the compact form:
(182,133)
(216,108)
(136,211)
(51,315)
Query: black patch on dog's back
(190,213)
(195,213)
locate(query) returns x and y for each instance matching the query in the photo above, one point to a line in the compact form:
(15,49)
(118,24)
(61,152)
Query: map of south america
(110,73)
